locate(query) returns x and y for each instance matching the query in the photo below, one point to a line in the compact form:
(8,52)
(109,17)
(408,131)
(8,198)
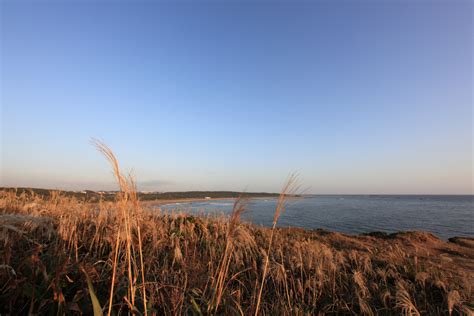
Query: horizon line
(233,191)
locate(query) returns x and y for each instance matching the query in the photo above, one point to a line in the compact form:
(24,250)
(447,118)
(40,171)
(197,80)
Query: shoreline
(190,200)
(329,266)
(187,200)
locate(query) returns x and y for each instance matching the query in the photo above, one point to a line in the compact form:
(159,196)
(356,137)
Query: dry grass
(290,187)
(129,217)
(149,262)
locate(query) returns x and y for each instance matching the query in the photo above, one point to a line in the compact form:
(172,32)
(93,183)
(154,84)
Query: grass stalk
(289,188)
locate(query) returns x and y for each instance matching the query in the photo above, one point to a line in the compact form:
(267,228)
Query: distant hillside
(93,196)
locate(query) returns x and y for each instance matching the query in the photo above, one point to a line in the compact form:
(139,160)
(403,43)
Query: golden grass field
(64,256)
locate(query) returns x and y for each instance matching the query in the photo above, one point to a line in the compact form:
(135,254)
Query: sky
(361,97)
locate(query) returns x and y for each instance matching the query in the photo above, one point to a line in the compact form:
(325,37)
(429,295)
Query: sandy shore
(163,202)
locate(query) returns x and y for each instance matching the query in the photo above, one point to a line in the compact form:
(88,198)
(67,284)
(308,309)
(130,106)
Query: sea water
(443,215)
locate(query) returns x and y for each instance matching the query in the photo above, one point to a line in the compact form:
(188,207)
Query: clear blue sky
(357,96)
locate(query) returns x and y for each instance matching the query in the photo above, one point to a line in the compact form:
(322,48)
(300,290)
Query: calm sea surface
(444,216)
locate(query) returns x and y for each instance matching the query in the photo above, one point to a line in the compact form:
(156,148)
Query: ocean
(443,215)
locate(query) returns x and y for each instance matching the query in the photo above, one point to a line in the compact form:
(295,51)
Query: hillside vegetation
(48,249)
(64,256)
(95,196)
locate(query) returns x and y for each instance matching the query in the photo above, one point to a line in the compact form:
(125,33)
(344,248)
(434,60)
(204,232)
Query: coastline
(189,200)
(65,239)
